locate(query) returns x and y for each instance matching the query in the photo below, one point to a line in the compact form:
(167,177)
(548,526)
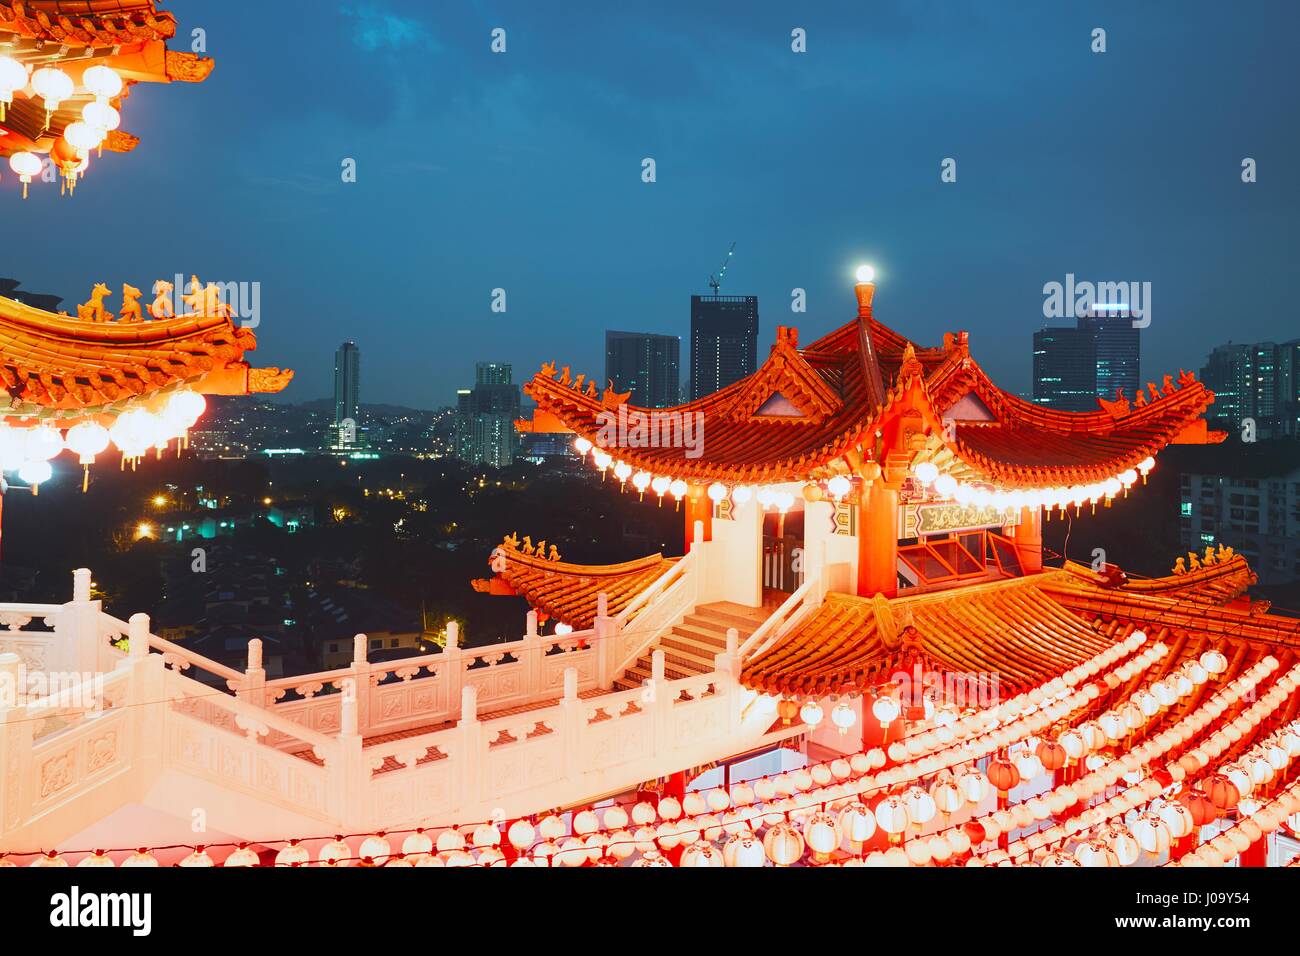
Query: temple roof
(57,365)
(128,35)
(1024,630)
(568,592)
(811,413)
(1010,629)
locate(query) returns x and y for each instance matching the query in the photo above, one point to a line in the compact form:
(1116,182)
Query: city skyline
(542,178)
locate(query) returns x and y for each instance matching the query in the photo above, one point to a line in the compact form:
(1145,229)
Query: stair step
(703,638)
(745,623)
(641,671)
(691,645)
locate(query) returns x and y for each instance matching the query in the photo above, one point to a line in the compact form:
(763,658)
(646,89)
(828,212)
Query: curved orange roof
(568,592)
(807,414)
(1006,636)
(72,367)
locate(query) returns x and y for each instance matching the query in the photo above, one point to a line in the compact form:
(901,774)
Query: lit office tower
(347,392)
(1073,367)
(1259,381)
(486,416)
(645,364)
(724,341)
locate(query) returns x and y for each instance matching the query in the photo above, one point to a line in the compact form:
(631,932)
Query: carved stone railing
(145,731)
(655,611)
(796,608)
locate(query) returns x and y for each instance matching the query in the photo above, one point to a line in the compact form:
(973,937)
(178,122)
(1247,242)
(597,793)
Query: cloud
(379,28)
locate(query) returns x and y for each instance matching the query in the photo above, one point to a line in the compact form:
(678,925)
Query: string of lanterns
(29,451)
(838,487)
(1142,787)
(1077,496)
(70,153)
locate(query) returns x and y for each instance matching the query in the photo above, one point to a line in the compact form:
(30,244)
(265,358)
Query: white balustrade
(158,723)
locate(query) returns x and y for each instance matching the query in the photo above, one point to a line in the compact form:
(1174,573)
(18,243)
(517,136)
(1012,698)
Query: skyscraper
(347,394)
(1258,381)
(486,415)
(1073,367)
(645,364)
(724,341)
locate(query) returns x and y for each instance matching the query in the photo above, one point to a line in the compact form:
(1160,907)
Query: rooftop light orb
(865,273)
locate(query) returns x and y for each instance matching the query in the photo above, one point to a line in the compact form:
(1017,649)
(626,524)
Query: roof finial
(866,288)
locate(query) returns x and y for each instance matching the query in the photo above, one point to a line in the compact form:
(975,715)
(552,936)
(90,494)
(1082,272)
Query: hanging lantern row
(1076,496)
(29,451)
(71,152)
(1144,787)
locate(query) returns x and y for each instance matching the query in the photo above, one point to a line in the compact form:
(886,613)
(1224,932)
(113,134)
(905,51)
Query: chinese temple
(861,659)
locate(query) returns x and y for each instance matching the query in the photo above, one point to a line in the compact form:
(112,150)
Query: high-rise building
(724,341)
(645,364)
(1258,381)
(1073,367)
(347,394)
(486,415)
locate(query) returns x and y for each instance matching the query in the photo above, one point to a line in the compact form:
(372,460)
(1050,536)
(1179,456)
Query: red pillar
(1028,536)
(1257,853)
(878,541)
(699,507)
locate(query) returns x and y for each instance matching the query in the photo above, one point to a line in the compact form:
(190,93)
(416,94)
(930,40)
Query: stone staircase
(690,648)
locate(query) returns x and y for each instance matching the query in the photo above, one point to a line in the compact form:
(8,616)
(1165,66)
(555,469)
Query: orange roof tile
(1008,634)
(75,367)
(568,592)
(1024,631)
(827,383)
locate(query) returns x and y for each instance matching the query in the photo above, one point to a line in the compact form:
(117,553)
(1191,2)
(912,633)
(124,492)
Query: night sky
(523,171)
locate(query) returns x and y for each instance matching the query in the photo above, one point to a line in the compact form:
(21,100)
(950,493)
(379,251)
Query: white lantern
(242,857)
(717,491)
(52,85)
(843,716)
(926,472)
(293,854)
(200,858)
(811,713)
(35,473)
(102,81)
(701,853)
(885,710)
(744,849)
(376,848)
(13,77)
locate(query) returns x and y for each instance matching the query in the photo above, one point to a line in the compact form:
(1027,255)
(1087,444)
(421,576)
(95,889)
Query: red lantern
(1052,755)
(975,830)
(788,709)
(1199,806)
(1003,775)
(1223,793)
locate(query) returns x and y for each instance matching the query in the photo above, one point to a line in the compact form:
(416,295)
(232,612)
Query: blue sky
(522,171)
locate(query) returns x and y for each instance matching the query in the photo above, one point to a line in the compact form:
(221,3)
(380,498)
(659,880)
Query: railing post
(698,569)
(350,775)
(655,696)
(15,748)
(532,655)
(727,660)
(455,665)
(361,677)
(138,636)
(606,643)
(80,647)
(574,738)
(254,686)
(470,761)
(147,704)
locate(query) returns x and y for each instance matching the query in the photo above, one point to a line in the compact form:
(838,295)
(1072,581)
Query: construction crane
(715,282)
